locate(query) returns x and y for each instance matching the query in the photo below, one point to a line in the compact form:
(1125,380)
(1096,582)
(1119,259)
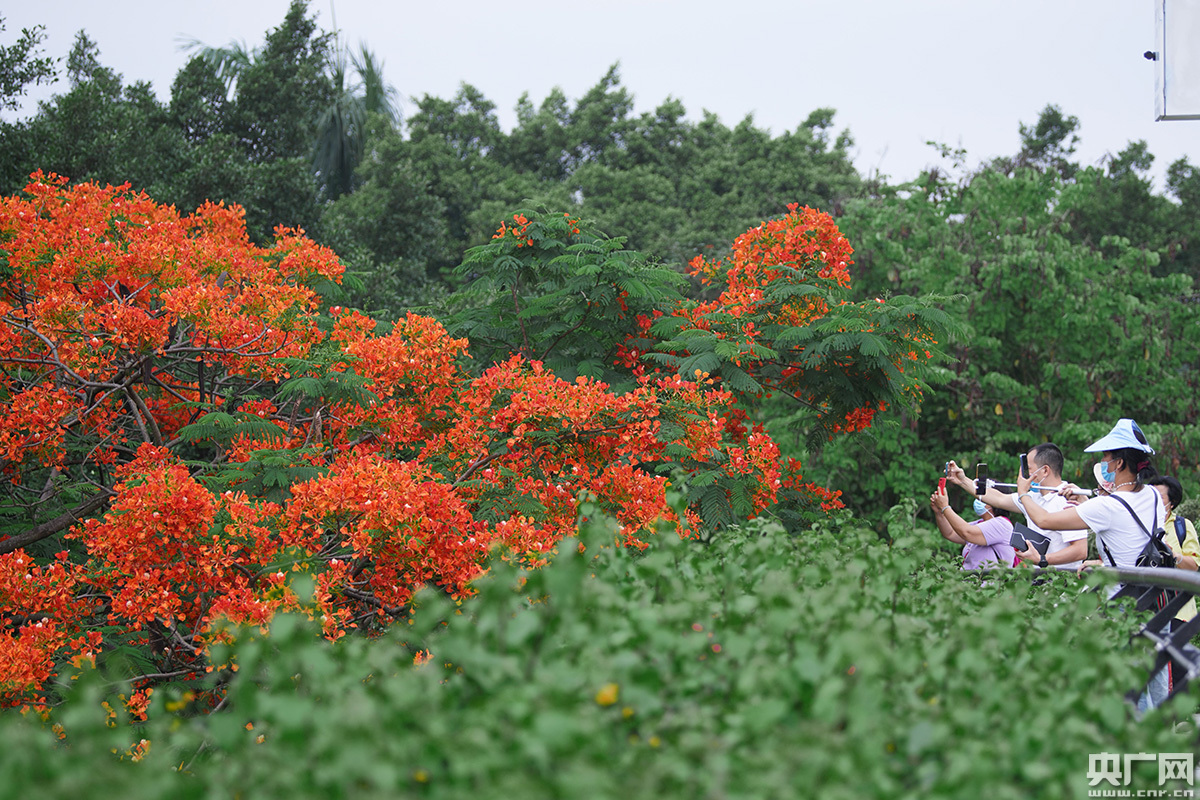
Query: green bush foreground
(759,665)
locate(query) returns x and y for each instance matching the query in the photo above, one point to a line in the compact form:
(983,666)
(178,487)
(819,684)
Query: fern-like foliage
(320,377)
(222,428)
(268,473)
(783,323)
(552,289)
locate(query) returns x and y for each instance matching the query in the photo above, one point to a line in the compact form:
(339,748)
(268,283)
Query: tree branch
(576,327)
(370,599)
(155,434)
(526,351)
(55,525)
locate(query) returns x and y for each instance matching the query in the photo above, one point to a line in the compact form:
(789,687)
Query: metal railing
(1166,591)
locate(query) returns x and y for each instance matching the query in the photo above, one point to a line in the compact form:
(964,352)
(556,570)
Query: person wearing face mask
(1075,495)
(1187,550)
(1103,487)
(1067,549)
(985,542)
(1187,553)
(1123,518)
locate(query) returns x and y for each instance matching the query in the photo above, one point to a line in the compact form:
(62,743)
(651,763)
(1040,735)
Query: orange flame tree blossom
(783,322)
(780,321)
(186,438)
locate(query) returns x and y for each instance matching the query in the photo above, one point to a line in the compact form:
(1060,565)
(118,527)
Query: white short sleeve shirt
(1117,535)
(1058,539)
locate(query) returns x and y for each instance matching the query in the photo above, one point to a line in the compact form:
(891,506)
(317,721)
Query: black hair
(1137,462)
(1048,454)
(1174,488)
(996,512)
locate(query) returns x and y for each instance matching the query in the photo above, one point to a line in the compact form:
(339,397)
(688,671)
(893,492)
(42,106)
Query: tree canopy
(275,360)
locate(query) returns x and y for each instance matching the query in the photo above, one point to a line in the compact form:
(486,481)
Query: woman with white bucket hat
(1124,468)
(1123,519)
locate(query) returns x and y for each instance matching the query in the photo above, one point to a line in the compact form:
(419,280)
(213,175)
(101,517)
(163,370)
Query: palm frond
(229,62)
(379,96)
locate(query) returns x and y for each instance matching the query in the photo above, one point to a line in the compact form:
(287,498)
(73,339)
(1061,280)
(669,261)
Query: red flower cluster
(781,276)
(804,245)
(44,623)
(351,470)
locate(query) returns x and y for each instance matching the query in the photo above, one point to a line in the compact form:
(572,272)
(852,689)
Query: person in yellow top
(1187,552)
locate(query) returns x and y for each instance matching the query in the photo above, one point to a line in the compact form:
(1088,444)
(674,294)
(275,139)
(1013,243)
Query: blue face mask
(1109,477)
(980,508)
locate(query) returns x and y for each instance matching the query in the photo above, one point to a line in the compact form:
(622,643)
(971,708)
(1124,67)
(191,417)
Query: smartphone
(942,480)
(1024,465)
(981,479)
(1018,542)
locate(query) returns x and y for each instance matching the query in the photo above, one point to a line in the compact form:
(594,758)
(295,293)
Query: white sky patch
(899,74)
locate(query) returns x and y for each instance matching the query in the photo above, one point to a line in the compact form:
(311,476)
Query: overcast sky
(898,72)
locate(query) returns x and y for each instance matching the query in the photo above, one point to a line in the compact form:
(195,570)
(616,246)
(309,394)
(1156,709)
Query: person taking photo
(1068,548)
(985,542)
(1124,518)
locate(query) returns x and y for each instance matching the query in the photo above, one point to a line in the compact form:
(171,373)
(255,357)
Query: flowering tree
(121,322)
(782,322)
(186,438)
(778,321)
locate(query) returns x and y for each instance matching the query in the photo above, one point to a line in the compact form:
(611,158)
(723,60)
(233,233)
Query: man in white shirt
(1067,549)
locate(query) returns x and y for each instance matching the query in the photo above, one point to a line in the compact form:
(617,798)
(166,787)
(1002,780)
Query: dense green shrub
(761,665)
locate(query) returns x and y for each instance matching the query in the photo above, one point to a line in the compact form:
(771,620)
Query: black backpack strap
(1153,537)
(1135,516)
(1180,530)
(1129,509)
(1111,561)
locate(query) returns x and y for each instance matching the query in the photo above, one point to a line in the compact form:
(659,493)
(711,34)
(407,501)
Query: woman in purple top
(986,542)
